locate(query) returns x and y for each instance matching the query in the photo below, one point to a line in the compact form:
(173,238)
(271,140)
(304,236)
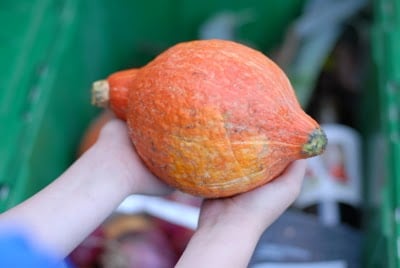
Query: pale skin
(70,208)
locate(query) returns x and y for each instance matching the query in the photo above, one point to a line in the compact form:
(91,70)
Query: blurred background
(341,57)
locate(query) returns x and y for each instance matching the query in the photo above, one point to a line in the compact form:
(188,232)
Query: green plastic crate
(43,74)
(383,139)
(51,51)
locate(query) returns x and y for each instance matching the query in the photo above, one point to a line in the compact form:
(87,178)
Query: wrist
(222,244)
(220,214)
(225,228)
(115,174)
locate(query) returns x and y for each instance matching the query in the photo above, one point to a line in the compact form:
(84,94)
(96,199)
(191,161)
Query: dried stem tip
(100,93)
(316,143)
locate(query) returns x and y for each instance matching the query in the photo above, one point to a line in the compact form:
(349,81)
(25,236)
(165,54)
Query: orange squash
(212,118)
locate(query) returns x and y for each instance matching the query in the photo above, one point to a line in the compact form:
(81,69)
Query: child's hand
(230,228)
(70,208)
(261,206)
(117,150)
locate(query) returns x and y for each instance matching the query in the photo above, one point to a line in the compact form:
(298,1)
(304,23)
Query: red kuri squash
(212,118)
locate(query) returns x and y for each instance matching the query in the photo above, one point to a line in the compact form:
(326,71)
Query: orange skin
(212,118)
(122,82)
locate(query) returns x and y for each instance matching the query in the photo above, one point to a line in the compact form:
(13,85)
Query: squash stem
(100,93)
(316,143)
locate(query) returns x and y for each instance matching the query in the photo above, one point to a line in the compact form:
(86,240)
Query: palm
(263,204)
(115,140)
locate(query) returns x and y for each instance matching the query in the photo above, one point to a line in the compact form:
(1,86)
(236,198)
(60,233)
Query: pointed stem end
(316,143)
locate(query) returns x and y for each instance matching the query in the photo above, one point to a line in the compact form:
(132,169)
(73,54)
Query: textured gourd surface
(214,118)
